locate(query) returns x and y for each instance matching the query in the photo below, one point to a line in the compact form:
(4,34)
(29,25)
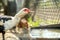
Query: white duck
(11,23)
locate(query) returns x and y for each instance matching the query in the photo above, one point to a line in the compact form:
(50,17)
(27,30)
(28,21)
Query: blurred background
(41,9)
(46,12)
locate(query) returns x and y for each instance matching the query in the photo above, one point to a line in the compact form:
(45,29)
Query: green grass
(34,23)
(38,22)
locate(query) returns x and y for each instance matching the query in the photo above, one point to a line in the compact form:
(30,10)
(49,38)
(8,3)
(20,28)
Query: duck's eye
(27,10)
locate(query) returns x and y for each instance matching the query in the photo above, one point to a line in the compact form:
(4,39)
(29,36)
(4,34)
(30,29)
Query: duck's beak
(30,11)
